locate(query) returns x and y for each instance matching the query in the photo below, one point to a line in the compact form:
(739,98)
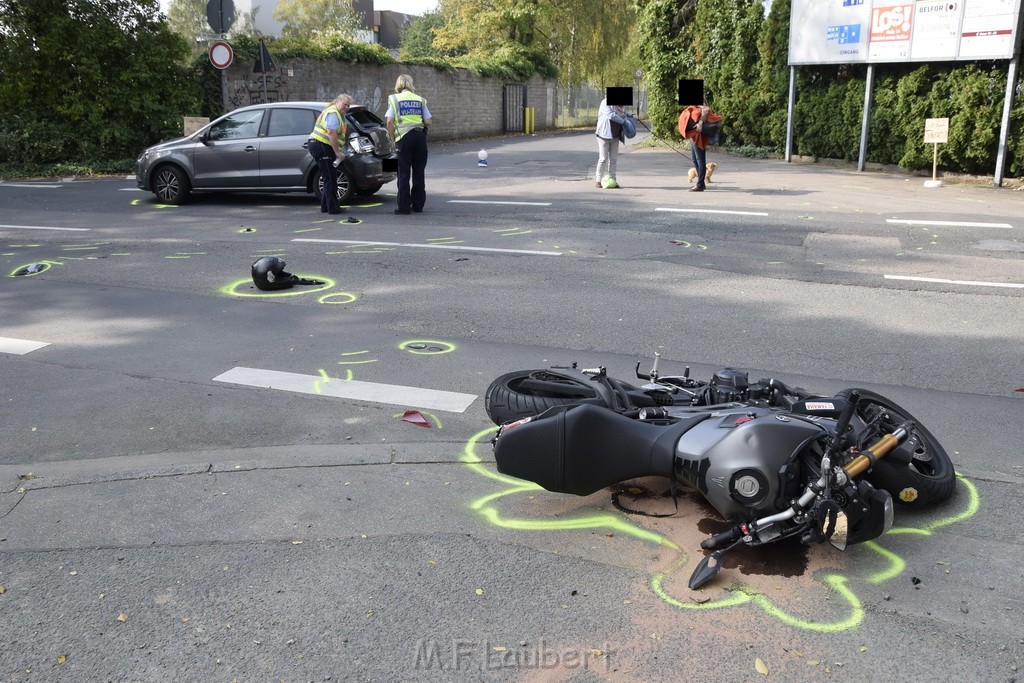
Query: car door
(228,154)
(284,159)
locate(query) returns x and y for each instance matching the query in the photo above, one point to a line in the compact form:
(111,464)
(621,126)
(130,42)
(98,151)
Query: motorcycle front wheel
(525,393)
(928,476)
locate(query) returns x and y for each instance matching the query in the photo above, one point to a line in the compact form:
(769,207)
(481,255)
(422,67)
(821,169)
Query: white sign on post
(936,130)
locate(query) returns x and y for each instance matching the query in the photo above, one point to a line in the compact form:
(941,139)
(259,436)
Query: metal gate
(513,100)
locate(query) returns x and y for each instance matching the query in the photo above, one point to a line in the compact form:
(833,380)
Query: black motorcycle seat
(585,448)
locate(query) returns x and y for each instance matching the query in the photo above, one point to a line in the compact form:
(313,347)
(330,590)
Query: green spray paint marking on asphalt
(739,595)
(427,347)
(234,288)
(342,298)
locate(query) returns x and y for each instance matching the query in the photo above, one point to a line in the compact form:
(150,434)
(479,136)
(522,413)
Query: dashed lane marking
(972,283)
(734,213)
(42,227)
(429,246)
(20,346)
(962,224)
(487,201)
(391,394)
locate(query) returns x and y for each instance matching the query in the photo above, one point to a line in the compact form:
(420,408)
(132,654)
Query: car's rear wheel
(170,184)
(346,188)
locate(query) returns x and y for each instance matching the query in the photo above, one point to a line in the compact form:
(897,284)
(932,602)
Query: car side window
(291,122)
(237,126)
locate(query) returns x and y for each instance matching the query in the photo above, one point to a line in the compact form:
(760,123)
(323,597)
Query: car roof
(279,105)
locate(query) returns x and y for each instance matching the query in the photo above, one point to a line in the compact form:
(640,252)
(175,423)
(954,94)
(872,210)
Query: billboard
(881,31)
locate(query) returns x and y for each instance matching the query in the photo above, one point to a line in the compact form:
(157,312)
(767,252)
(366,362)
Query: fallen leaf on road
(122,617)
(61,659)
(479,591)
(761,667)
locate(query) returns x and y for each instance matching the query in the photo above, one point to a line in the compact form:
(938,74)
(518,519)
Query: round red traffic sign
(221,55)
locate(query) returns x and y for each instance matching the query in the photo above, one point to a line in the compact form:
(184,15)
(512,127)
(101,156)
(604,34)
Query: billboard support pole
(790,108)
(869,88)
(1004,126)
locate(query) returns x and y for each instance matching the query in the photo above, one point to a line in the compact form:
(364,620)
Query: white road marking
(48,186)
(392,394)
(481,201)
(973,283)
(736,213)
(962,224)
(429,246)
(41,227)
(131,189)
(20,346)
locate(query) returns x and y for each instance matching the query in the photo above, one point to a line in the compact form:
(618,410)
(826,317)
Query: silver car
(262,148)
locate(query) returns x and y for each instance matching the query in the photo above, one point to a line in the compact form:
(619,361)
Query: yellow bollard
(528,120)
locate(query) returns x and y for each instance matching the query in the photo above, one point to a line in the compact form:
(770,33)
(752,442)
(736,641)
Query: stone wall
(462,104)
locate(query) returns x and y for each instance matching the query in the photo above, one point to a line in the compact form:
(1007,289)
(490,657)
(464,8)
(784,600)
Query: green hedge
(742,57)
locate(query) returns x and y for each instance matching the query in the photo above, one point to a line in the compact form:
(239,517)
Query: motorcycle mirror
(839,536)
(705,571)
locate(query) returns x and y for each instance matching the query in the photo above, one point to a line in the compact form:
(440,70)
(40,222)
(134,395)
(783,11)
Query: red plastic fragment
(414,417)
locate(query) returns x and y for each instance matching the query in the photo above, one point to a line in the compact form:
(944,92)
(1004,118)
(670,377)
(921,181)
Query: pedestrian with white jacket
(609,135)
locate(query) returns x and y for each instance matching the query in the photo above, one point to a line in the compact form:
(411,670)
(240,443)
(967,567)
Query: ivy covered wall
(742,56)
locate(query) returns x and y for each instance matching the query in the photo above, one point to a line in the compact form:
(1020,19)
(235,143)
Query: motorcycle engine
(729,385)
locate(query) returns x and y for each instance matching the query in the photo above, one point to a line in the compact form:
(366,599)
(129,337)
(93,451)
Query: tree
(581,39)
(417,40)
(188,19)
(312,18)
(88,79)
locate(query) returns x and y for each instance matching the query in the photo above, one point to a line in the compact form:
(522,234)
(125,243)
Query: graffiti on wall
(250,91)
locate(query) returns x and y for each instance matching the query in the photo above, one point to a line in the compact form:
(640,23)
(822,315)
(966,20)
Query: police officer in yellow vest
(407,120)
(325,145)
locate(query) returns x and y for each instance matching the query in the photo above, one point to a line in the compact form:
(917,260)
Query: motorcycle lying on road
(775,461)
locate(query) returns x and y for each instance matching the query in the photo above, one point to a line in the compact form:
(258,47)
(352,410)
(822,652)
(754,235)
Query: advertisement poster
(881,31)
(890,32)
(988,28)
(936,29)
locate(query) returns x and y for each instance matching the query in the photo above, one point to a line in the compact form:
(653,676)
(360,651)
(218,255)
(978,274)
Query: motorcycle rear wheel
(930,466)
(525,393)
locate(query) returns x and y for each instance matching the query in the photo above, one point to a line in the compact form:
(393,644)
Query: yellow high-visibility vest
(320,127)
(408,108)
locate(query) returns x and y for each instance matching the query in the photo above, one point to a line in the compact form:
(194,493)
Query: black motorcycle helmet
(268,273)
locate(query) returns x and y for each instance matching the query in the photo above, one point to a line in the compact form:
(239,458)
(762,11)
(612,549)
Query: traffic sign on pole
(220,14)
(221,55)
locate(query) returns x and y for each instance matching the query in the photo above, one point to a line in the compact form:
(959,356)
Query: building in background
(375,26)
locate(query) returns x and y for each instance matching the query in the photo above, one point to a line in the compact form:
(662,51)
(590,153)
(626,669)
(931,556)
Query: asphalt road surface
(201,481)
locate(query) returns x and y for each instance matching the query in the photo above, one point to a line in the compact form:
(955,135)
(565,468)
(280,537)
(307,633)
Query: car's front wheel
(345,185)
(170,184)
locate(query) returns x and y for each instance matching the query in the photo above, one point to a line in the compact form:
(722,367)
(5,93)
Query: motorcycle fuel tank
(734,458)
